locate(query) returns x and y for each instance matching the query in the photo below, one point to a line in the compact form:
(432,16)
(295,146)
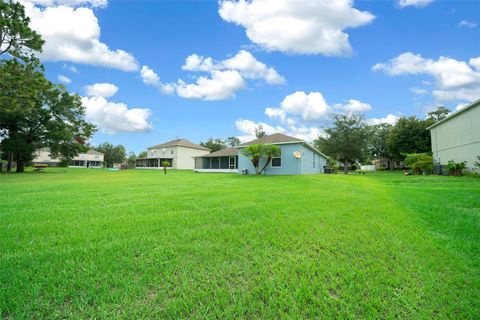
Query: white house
(180,153)
(89,159)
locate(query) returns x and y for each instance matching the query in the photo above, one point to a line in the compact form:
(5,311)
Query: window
(276,162)
(171,152)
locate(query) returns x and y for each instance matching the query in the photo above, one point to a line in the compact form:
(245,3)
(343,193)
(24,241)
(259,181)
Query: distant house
(180,153)
(225,160)
(89,159)
(383,163)
(457,137)
(297,156)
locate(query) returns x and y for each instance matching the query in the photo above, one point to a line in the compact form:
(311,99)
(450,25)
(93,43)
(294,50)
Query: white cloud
(460,106)
(454,79)
(354,106)
(64,79)
(419,90)
(389,119)
(113,117)
(101,90)
(414,3)
(467,24)
(314,27)
(70,3)
(149,77)
(221,86)
(310,107)
(73,34)
(70,68)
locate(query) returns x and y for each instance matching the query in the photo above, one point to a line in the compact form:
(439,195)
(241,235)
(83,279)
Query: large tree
(112,154)
(438,114)
(345,140)
(410,135)
(35,113)
(16,37)
(377,142)
(233,141)
(259,132)
(214,144)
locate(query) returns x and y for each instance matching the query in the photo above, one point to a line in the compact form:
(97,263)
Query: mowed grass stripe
(142,244)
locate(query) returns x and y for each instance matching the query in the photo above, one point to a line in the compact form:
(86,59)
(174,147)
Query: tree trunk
(20,166)
(266,164)
(392,162)
(345,167)
(9,161)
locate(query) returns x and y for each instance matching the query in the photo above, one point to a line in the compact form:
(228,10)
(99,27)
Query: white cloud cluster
(149,77)
(389,119)
(73,34)
(69,3)
(225,78)
(414,3)
(467,24)
(64,79)
(314,27)
(354,106)
(113,117)
(454,79)
(104,89)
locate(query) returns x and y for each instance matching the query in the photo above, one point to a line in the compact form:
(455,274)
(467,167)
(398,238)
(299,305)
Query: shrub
(419,163)
(63,163)
(456,168)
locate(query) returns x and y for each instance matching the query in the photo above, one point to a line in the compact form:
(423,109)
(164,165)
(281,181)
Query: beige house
(180,153)
(457,137)
(89,159)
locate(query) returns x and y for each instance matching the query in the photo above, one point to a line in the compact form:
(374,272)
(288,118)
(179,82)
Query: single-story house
(180,153)
(89,159)
(457,137)
(296,157)
(383,163)
(225,160)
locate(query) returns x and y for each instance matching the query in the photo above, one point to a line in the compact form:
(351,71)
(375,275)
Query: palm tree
(257,151)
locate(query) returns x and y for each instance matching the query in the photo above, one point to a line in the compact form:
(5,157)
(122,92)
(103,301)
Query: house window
(277,162)
(171,152)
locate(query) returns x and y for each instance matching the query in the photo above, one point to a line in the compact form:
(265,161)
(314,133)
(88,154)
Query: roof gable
(180,143)
(276,138)
(227,152)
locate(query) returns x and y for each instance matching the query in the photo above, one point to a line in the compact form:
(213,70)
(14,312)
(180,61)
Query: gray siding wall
(458,138)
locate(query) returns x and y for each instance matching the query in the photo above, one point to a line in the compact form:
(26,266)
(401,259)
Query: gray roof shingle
(275,138)
(227,152)
(180,143)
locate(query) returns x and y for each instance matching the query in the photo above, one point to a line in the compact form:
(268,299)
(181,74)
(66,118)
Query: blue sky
(304,63)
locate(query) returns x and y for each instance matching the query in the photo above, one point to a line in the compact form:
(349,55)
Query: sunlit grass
(77,243)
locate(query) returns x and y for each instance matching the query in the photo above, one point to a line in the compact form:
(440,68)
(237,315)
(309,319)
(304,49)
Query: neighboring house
(383,163)
(225,160)
(457,137)
(311,160)
(180,153)
(89,159)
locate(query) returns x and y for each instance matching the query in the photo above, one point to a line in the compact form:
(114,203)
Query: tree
(16,37)
(35,113)
(165,164)
(257,151)
(143,154)
(419,162)
(112,154)
(439,114)
(233,141)
(214,144)
(259,132)
(377,142)
(131,159)
(346,140)
(410,135)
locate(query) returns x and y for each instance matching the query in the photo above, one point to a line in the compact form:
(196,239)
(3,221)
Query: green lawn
(77,243)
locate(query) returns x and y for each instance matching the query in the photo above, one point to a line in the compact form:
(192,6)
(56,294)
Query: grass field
(77,243)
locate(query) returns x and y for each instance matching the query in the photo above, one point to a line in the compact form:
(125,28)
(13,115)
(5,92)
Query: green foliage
(345,141)
(35,113)
(233,141)
(476,164)
(419,163)
(112,154)
(255,152)
(378,147)
(439,114)
(165,164)
(409,135)
(214,144)
(259,132)
(16,37)
(456,168)
(89,244)
(131,159)
(143,154)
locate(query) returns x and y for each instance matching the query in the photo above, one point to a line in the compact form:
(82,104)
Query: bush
(456,168)
(63,163)
(419,163)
